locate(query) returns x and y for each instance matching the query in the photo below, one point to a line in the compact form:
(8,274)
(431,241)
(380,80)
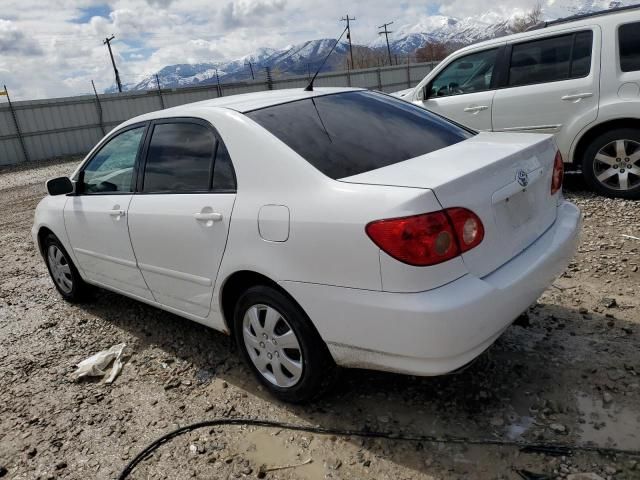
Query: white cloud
(14,42)
(59,57)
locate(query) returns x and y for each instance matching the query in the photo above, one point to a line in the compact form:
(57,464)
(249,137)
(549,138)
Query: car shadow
(531,377)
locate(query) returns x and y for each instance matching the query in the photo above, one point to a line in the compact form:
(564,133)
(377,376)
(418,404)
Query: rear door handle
(208,217)
(476,109)
(576,96)
(117,213)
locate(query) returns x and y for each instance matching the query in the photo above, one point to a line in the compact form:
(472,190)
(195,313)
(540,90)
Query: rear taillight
(468,227)
(558,173)
(429,238)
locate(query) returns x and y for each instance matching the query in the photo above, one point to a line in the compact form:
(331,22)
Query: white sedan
(323,228)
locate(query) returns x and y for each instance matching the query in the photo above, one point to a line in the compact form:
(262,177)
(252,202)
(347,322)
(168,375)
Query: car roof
(613,17)
(246,102)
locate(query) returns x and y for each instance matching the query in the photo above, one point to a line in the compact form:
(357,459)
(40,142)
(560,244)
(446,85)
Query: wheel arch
(596,130)
(237,283)
(43,231)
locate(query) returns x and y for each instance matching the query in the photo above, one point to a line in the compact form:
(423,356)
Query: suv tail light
(558,173)
(429,238)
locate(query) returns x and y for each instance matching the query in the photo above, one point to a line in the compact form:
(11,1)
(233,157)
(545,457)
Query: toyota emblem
(523,178)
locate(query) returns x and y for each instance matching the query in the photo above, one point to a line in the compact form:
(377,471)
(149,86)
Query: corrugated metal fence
(70,126)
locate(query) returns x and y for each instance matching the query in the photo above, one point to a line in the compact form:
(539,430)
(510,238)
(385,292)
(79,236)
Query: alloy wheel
(272,345)
(617,165)
(60,269)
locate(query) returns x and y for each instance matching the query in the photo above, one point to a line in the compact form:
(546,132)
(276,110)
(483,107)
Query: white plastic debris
(95,365)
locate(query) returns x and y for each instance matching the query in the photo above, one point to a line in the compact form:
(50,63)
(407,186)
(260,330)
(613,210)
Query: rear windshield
(354,132)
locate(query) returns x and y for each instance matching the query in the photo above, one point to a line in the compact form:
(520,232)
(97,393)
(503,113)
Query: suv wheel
(611,164)
(280,345)
(63,272)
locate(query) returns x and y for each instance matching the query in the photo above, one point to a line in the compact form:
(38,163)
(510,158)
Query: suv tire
(611,164)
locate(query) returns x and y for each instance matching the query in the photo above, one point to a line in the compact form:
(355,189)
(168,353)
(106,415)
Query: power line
(347,19)
(386,33)
(107,42)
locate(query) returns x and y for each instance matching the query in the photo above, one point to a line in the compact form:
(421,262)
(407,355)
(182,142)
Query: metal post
(269,78)
(15,122)
(159,92)
(99,108)
(408,71)
(250,68)
(219,86)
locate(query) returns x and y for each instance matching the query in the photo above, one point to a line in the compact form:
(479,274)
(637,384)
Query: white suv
(577,78)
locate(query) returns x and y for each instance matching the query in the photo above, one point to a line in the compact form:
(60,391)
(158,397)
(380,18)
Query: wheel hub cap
(272,345)
(617,165)
(60,270)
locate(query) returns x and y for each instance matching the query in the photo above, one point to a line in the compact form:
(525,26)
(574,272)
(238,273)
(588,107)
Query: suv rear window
(629,38)
(354,132)
(551,59)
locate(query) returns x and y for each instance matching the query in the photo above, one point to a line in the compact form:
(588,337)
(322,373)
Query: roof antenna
(309,88)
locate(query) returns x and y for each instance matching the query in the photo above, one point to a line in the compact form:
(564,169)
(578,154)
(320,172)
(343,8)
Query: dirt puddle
(610,425)
(264,448)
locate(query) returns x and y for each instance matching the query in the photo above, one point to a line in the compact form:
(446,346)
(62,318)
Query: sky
(55,48)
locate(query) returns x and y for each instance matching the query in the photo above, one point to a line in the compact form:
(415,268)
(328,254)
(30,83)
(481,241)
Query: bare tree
(522,22)
(432,52)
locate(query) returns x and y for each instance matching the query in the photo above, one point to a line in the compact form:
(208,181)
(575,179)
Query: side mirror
(59,186)
(423,93)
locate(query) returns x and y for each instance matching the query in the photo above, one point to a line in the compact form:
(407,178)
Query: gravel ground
(568,372)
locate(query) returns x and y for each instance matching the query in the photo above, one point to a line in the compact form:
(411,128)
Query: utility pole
(386,33)
(250,68)
(107,42)
(347,19)
(159,92)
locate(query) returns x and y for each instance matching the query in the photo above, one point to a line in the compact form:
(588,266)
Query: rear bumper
(440,330)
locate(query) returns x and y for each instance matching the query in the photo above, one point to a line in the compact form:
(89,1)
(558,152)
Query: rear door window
(179,158)
(629,42)
(354,132)
(551,59)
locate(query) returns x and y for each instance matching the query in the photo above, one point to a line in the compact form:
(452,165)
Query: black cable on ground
(548,448)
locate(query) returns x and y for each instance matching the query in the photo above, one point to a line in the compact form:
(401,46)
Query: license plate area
(518,209)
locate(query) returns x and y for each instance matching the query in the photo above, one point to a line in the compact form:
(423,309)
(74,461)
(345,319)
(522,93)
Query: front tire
(281,346)
(63,272)
(611,164)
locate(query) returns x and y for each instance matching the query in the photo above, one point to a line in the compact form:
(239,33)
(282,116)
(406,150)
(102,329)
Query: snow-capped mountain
(464,31)
(301,58)
(296,59)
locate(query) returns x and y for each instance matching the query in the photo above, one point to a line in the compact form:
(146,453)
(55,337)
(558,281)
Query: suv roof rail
(575,18)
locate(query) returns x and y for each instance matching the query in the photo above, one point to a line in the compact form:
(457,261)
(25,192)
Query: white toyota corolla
(323,228)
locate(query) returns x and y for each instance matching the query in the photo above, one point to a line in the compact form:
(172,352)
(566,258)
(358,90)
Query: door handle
(477,109)
(576,96)
(208,217)
(117,213)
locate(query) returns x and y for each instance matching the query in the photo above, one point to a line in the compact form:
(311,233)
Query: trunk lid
(504,178)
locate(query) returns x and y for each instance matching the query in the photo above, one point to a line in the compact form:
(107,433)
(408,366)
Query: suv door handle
(208,217)
(576,96)
(477,109)
(117,213)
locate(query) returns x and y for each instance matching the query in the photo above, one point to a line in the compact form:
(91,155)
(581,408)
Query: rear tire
(611,164)
(280,345)
(64,273)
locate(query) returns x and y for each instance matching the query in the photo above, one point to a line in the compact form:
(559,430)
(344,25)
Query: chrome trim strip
(107,258)
(206,282)
(532,127)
